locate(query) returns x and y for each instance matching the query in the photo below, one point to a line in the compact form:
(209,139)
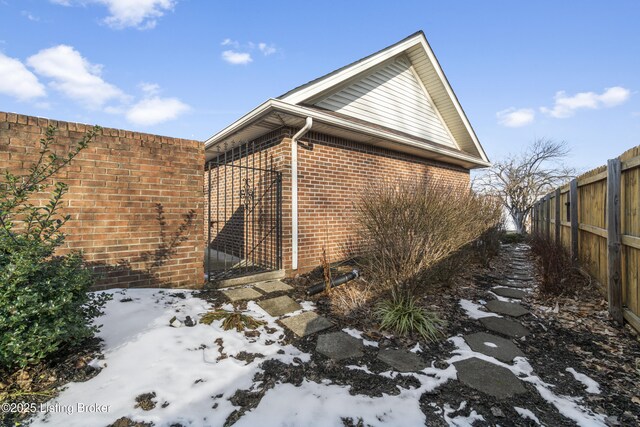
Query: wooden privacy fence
(597,216)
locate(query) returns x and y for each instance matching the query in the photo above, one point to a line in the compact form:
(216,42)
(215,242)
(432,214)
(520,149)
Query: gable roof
(400,91)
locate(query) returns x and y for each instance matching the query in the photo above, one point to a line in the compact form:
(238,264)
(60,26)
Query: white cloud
(614,96)
(267,49)
(17,81)
(151,111)
(74,76)
(229,42)
(150,89)
(566,106)
(30,16)
(140,14)
(236,58)
(513,118)
(241,52)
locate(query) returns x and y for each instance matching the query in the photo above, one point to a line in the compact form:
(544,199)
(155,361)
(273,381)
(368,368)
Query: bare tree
(520,180)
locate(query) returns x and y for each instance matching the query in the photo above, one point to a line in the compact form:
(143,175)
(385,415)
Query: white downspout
(294,191)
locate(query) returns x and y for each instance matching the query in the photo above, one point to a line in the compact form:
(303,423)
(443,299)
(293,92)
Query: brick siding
(135,200)
(331,173)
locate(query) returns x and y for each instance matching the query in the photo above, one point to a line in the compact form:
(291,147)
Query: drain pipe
(294,191)
(340,280)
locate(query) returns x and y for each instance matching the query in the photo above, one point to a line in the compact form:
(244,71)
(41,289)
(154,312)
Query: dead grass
(350,298)
(231,320)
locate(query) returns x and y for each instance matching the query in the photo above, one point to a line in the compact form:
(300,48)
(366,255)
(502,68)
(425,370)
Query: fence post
(614,260)
(533,218)
(557,213)
(573,207)
(547,214)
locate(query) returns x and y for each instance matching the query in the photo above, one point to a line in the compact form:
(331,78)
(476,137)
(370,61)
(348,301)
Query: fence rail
(597,217)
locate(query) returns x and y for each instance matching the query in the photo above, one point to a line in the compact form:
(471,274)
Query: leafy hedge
(44,299)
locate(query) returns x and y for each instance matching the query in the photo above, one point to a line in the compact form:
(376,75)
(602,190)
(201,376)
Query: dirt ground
(571,331)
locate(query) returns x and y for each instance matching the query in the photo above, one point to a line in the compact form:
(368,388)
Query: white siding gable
(393,97)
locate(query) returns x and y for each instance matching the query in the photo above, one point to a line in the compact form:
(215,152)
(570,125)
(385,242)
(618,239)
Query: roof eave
(272,105)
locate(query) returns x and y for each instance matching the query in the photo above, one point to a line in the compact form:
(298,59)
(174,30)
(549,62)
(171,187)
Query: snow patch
(364,368)
(460,420)
(525,413)
(592,386)
(474,310)
(313,404)
(358,334)
(143,354)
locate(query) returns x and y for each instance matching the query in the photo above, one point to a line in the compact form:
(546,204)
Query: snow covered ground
(192,382)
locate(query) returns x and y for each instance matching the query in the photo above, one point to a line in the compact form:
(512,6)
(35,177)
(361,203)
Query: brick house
(280,181)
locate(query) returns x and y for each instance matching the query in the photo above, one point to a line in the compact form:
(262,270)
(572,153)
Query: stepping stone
(338,346)
(306,323)
(508,308)
(241,294)
(502,349)
(519,277)
(504,326)
(401,360)
(521,264)
(488,378)
(514,284)
(279,305)
(272,286)
(509,293)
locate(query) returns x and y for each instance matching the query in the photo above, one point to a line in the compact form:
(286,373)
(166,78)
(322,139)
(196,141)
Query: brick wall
(331,173)
(135,200)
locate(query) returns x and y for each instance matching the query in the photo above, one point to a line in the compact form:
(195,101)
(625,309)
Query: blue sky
(522,70)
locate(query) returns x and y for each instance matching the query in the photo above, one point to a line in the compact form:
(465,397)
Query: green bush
(403,316)
(44,304)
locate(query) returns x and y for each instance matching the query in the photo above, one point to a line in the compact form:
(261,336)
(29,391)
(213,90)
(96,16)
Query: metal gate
(244,212)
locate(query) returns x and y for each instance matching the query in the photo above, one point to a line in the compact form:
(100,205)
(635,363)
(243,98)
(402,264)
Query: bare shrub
(447,269)
(406,227)
(488,245)
(559,275)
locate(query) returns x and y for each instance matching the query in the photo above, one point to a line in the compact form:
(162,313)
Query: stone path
(488,378)
(504,326)
(508,308)
(306,323)
(279,306)
(483,375)
(301,325)
(509,292)
(241,294)
(401,360)
(334,345)
(338,346)
(499,348)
